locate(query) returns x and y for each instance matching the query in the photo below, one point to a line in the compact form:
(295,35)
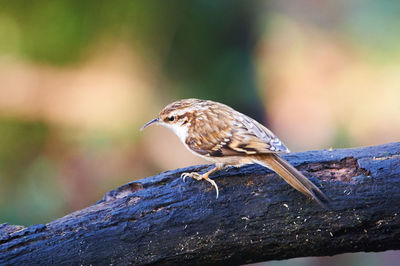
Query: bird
(226,137)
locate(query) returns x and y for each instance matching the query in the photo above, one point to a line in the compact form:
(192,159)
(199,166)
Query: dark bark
(258,217)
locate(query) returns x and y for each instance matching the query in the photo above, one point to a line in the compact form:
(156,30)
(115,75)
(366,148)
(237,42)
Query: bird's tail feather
(292,176)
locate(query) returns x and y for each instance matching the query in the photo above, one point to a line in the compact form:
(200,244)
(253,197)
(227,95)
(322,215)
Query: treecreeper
(226,137)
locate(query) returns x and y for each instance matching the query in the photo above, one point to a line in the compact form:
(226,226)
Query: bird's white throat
(180,131)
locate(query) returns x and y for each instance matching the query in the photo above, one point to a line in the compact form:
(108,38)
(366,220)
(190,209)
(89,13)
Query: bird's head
(177,116)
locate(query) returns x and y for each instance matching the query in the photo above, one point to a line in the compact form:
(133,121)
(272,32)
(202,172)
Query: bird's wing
(261,138)
(232,134)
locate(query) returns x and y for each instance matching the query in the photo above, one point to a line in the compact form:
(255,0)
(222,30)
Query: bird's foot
(193,175)
(199,177)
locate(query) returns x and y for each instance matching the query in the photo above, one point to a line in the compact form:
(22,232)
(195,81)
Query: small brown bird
(222,135)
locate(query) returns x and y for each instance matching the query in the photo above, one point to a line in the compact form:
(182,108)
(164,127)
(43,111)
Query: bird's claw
(197,176)
(215,185)
(192,175)
(183,176)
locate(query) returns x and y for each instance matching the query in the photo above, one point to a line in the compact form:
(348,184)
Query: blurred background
(79,78)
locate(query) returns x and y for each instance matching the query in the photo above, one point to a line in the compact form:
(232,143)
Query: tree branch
(257,217)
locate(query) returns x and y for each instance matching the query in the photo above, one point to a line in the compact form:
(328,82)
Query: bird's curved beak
(155,120)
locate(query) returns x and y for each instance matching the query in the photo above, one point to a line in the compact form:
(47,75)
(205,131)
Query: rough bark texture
(258,217)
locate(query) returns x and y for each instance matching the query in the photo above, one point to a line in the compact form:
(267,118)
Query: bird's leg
(204,176)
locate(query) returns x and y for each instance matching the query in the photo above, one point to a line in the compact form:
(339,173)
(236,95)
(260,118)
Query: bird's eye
(171,118)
